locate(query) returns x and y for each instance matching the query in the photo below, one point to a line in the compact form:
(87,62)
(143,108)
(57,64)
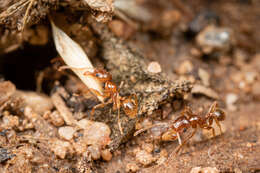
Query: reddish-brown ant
(130,104)
(187,120)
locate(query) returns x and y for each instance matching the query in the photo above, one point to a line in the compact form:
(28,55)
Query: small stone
(170,18)
(121,29)
(195,52)
(79,147)
(214,38)
(185,67)
(161,160)
(204,76)
(231,99)
(200,89)
(106,155)
(95,133)
(7,89)
(67,132)
(56,119)
(148,147)
(132,167)
(144,158)
(164,153)
(237,170)
(60,148)
(10,121)
(94,152)
(204,170)
(154,67)
(250,77)
(39,103)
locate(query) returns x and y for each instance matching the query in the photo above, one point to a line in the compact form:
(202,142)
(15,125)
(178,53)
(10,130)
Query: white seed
(74,56)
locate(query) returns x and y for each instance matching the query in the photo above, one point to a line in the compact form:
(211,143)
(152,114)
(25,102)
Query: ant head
(103,75)
(216,113)
(219,114)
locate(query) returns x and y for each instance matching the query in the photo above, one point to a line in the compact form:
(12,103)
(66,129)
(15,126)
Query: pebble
(231,99)
(95,133)
(7,89)
(204,76)
(250,77)
(121,29)
(148,147)
(39,103)
(106,155)
(170,18)
(10,121)
(154,67)
(79,147)
(164,153)
(185,67)
(61,148)
(144,158)
(200,89)
(94,152)
(204,170)
(66,132)
(214,38)
(56,119)
(132,167)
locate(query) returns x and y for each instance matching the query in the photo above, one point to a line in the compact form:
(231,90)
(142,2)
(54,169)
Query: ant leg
(185,141)
(56,59)
(212,107)
(119,122)
(179,138)
(64,67)
(117,105)
(101,105)
(97,93)
(149,127)
(218,124)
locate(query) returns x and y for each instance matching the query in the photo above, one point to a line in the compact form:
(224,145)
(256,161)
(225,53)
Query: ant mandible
(187,120)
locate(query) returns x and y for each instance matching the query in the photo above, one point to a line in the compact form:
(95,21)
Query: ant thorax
(180,123)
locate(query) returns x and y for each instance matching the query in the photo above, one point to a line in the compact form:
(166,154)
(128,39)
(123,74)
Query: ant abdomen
(170,135)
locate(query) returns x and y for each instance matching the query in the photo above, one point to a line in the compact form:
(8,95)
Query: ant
(129,104)
(187,120)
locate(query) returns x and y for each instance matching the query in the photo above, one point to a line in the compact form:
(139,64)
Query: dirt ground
(171,54)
